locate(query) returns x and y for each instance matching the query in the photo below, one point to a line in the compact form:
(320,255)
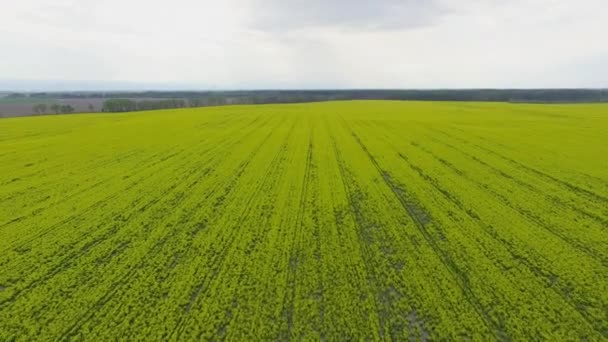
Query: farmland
(362,220)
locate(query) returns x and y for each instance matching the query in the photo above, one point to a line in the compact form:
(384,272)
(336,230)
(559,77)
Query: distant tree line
(149,100)
(54,108)
(129,105)
(279,96)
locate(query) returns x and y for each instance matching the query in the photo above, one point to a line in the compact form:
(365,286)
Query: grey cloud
(314,43)
(281,15)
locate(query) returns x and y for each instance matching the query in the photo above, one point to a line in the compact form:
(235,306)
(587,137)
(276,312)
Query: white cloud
(302,44)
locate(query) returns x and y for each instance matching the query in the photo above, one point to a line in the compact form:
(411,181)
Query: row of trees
(128,105)
(43,108)
(54,108)
(205,98)
(138,101)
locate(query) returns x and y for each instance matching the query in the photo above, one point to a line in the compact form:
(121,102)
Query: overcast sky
(243,44)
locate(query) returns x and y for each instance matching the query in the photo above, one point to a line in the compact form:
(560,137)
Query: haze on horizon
(261,44)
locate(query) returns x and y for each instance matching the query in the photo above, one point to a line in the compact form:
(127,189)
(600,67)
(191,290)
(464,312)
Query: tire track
(291,281)
(219,259)
(552,198)
(532,267)
(136,212)
(155,250)
(451,266)
(574,188)
(529,215)
(155,161)
(377,244)
(359,222)
(171,233)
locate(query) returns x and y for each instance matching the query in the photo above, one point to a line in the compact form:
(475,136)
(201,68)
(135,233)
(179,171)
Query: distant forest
(148,100)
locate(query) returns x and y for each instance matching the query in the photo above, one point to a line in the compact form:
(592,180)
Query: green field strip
(469,248)
(137,168)
(362,220)
(334,246)
(591,205)
(228,241)
(155,161)
(562,183)
(431,262)
(420,217)
(509,178)
(187,234)
(538,139)
(92,168)
(598,266)
(534,206)
(153,180)
(549,275)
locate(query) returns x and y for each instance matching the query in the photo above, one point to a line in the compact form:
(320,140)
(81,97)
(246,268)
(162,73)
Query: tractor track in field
(54,167)
(207,283)
(66,262)
(155,161)
(84,213)
(527,214)
(131,185)
(449,264)
(153,251)
(572,187)
(375,220)
(84,191)
(385,291)
(198,289)
(486,140)
(359,223)
(138,211)
(552,198)
(291,279)
(198,227)
(256,234)
(532,266)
